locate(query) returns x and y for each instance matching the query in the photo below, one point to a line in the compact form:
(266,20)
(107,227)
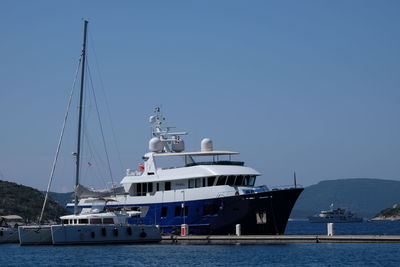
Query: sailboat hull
(35,235)
(104,234)
(8,235)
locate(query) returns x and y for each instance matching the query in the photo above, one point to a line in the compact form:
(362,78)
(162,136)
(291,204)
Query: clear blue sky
(311,86)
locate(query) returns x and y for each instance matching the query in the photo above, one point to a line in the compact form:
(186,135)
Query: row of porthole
(115,232)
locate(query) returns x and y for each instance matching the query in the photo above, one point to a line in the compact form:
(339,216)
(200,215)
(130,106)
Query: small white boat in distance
(338,215)
(102,228)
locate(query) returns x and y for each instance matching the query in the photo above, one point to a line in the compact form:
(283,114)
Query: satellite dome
(178,145)
(155,145)
(206,145)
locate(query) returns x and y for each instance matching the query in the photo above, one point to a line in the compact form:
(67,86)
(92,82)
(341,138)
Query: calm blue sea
(220,255)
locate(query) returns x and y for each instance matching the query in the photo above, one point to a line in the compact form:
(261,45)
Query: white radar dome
(206,144)
(155,145)
(178,145)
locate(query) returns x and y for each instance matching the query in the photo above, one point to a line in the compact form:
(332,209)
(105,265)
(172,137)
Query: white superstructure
(206,189)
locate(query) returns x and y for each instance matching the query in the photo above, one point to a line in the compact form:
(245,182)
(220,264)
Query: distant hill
(392,213)
(364,196)
(62,198)
(27,202)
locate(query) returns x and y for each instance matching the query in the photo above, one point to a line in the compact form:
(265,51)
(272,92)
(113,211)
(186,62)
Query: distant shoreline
(391,218)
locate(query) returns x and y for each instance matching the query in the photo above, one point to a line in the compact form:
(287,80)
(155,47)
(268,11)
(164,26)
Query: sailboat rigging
(95,222)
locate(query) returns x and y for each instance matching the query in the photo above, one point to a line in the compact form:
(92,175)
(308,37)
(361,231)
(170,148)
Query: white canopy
(11,217)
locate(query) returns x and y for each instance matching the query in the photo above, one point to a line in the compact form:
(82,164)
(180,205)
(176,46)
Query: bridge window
(231,180)
(210,181)
(221,180)
(246,180)
(252,180)
(239,180)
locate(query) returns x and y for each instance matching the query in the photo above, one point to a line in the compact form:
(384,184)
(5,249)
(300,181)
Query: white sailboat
(94,225)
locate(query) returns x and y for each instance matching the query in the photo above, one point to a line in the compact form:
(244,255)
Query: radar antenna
(171,141)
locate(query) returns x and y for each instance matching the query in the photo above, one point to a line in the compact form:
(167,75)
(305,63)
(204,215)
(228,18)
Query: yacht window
(239,180)
(210,209)
(191,183)
(198,182)
(210,181)
(252,180)
(204,182)
(75,221)
(164,211)
(64,221)
(144,189)
(95,221)
(231,180)
(221,180)
(83,221)
(246,180)
(179,211)
(108,221)
(139,189)
(167,186)
(158,186)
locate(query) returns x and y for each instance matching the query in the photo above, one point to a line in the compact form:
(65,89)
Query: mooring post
(330,229)
(238,230)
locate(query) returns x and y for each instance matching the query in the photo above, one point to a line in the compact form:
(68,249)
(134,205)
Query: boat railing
(226,194)
(219,162)
(283,187)
(130,172)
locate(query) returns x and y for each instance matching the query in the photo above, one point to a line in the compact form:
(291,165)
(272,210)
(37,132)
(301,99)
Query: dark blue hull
(257,213)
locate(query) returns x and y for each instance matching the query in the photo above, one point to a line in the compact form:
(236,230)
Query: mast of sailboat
(78,149)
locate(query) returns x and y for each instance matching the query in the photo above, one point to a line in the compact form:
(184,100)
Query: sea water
(315,254)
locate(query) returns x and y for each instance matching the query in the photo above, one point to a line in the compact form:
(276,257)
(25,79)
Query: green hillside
(62,198)
(389,213)
(364,196)
(27,202)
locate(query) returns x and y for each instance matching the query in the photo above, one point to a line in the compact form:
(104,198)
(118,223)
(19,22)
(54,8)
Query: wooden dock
(279,239)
